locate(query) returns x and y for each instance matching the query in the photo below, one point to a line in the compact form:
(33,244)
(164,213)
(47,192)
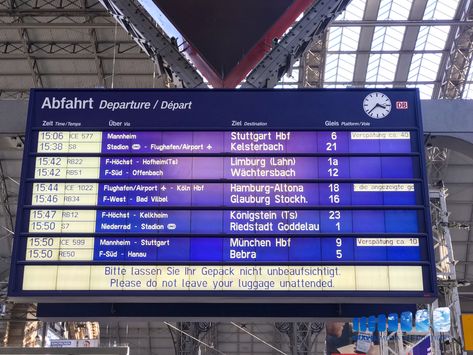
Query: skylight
(440,9)
(290,80)
(425,90)
(432,38)
(382,67)
(353,12)
(387,38)
(386,47)
(424,67)
(394,10)
(343,39)
(339,67)
(468,93)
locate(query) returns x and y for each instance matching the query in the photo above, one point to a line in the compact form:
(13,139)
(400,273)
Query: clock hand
(375,106)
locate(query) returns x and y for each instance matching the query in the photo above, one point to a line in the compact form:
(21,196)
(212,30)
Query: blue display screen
(223,193)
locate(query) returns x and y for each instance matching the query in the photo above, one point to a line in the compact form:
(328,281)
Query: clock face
(377,105)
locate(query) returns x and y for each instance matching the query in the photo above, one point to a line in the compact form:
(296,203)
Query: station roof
(374,43)
(394,43)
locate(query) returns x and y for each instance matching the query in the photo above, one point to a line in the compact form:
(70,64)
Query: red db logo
(402,105)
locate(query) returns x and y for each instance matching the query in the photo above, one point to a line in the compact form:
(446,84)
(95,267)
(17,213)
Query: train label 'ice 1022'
(162,193)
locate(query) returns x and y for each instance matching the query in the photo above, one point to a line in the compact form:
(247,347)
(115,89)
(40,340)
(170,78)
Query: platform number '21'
(333,162)
(332,146)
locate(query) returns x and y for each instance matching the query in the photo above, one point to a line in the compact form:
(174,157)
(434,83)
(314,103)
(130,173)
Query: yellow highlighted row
(222,278)
(67,167)
(69,142)
(383,187)
(62,221)
(60,249)
(70,194)
(380,135)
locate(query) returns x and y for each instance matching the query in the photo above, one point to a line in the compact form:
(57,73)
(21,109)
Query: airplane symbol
(163,188)
(209,147)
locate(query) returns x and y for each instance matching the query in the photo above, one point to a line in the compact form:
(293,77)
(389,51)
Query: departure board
(248,195)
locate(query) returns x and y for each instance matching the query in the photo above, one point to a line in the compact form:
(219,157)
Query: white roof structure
(394,43)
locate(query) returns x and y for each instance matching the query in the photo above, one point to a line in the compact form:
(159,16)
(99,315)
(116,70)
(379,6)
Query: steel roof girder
(291,47)
(451,66)
(94,47)
(364,43)
(152,40)
(409,42)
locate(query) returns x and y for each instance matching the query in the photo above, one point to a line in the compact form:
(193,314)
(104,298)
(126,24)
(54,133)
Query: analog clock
(377,105)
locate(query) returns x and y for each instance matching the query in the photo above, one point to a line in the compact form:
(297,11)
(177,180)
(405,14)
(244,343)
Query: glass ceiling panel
(394,9)
(343,38)
(336,86)
(424,67)
(468,93)
(387,38)
(353,12)
(440,9)
(290,81)
(282,85)
(432,38)
(425,90)
(293,78)
(382,67)
(381,70)
(339,67)
(374,86)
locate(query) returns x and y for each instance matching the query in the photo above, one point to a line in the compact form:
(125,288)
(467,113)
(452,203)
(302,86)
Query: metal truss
(24,15)
(302,336)
(436,162)
(85,16)
(397,343)
(48,5)
(8,219)
(25,40)
(94,46)
(189,336)
(443,247)
(28,14)
(152,40)
(313,63)
(457,63)
(456,58)
(14,94)
(291,47)
(445,266)
(73,50)
(17,315)
(402,23)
